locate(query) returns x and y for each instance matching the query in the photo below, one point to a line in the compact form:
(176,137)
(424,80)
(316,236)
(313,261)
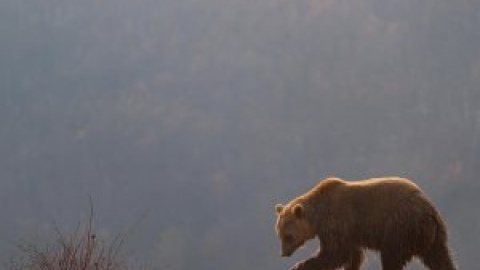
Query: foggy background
(187,120)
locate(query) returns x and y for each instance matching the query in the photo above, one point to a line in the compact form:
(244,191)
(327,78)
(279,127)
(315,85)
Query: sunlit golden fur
(390,215)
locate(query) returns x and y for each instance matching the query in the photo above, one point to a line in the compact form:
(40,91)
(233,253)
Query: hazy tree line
(197,116)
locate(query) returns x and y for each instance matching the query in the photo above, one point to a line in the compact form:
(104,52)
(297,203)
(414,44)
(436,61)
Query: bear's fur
(390,215)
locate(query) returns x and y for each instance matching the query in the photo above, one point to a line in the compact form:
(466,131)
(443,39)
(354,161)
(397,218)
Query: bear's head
(293,227)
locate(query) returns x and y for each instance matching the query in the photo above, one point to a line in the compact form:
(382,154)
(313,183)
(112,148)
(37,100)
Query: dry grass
(80,250)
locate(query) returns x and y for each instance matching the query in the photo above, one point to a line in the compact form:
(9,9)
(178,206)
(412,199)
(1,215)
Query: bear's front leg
(325,259)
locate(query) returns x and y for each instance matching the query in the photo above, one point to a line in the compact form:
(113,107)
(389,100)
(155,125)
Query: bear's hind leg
(438,258)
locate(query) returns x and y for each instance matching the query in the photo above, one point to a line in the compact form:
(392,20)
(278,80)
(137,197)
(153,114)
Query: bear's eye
(288,238)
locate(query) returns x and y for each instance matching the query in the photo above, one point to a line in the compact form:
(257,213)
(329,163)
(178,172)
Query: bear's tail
(438,256)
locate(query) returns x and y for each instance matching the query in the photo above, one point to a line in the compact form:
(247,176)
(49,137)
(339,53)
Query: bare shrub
(80,250)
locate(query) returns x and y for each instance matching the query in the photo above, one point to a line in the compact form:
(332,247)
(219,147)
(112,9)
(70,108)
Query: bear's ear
(278,208)
(298,211)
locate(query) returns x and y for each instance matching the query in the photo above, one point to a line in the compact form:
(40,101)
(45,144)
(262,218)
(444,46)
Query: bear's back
(373,206)
(385,195)
(398,183)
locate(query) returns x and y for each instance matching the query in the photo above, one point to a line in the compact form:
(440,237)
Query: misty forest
(181,123)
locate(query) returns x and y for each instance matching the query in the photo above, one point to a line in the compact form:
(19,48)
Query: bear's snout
(286,253)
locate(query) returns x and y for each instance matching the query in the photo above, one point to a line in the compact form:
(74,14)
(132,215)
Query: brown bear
(390,215)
